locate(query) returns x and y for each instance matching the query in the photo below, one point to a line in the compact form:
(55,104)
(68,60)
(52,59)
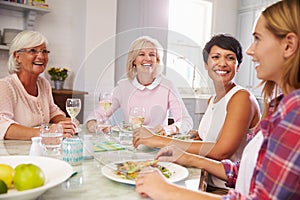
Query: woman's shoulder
(241,91)
(123,82)
(7,81)
(240,94)
(166,82)
(291,100)
(9,85)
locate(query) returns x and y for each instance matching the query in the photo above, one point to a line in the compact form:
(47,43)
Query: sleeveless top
(210,127)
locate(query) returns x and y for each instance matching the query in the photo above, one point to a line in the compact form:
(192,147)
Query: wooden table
(60,97)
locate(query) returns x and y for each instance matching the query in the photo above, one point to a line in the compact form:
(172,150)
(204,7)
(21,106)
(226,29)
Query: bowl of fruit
(27,177)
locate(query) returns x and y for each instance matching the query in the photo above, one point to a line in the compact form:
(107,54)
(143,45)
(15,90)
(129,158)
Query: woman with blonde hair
(145,86)
(269,168)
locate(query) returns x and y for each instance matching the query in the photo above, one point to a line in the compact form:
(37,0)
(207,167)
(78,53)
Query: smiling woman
(26,99)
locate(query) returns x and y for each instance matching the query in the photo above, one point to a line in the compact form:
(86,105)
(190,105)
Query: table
(60,97)
(89,183)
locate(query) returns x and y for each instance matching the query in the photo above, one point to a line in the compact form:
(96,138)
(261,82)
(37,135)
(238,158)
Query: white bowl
(56,171)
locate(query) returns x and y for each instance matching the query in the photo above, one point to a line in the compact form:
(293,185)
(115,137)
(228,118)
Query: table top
(89,183)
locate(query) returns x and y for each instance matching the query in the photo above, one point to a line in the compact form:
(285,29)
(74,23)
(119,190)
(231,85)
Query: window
(190,27)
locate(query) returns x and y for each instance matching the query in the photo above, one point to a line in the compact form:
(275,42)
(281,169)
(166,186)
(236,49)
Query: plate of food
(124,127)
(55,171)
(127,171)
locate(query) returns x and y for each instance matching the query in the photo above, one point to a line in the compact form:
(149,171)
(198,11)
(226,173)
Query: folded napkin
(107,146)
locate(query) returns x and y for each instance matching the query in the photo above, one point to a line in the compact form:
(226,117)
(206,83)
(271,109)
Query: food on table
(6,174)
(130,169)
(126,127)
(28,176)
(176,136)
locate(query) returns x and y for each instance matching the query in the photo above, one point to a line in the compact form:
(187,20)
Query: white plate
(56,171)
(179,172)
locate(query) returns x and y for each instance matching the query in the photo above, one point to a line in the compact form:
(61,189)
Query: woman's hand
(194,135)
(166,130)
(144,136)
(91,126)
(69,127)
(173,154)
(151,183)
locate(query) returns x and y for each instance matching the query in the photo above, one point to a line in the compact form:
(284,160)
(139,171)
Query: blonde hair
(25,39)
(133,52)
(283,18)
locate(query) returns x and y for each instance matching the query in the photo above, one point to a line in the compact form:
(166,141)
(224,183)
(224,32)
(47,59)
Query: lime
(3,187)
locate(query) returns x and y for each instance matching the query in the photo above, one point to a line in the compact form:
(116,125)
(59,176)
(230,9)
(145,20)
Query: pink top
(17,106)
(158,99)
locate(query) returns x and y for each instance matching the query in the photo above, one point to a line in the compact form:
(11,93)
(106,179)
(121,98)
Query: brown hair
(283,18)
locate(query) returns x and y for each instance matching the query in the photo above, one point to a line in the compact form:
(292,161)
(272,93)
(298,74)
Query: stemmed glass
(73,107)
(136,116)
(105,102)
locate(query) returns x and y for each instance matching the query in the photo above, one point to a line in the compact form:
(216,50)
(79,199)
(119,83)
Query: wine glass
(136,116)
(105,102)
(73,107)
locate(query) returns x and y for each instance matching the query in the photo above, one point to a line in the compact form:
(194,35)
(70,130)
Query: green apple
(28,176)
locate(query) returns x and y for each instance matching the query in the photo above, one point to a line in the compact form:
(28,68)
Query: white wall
(81,32)
(225,16)
(97,69)
(64,27)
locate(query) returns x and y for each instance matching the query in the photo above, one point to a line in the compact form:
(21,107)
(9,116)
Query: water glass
(88,147)
(51,138)
(103,127)
(125,134)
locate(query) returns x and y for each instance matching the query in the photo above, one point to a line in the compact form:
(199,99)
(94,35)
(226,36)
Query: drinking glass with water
(51,138)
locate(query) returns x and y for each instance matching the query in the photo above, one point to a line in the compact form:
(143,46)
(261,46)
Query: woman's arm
(182,120)
(19,132)
(179,156)
(152,184)
(242,113)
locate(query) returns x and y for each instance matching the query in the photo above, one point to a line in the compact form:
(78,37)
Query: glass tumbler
(72,151)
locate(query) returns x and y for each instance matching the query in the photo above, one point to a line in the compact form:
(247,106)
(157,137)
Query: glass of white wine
(105,102)
(136,116)
(73,107)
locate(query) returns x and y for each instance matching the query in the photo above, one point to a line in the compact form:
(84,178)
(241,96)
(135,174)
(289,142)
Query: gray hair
(25,39)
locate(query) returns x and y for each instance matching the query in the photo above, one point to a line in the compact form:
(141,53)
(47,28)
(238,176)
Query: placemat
(107,146)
